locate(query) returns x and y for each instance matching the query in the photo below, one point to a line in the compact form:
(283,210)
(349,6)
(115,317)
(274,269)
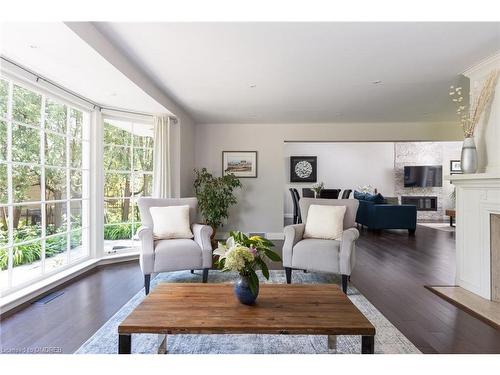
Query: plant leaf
(272,255)
(253,281)
(264,268)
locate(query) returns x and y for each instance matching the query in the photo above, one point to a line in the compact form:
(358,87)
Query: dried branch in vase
(469,117)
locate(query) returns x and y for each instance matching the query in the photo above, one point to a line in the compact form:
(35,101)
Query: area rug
(444,227)
(387,340)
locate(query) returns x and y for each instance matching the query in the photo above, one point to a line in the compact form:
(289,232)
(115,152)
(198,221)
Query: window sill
(30,292)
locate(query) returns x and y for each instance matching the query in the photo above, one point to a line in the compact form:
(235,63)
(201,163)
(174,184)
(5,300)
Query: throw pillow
(170,222)
(359,196)
(377,198)
(325,222)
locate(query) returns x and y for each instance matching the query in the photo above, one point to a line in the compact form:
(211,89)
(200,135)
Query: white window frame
(85,199)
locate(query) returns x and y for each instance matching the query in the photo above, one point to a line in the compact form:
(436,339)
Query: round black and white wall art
(303,168)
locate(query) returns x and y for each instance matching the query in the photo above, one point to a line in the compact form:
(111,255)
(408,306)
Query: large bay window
(51,202)
(44,184)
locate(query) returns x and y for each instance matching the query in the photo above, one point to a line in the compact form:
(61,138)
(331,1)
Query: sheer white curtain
(161,157)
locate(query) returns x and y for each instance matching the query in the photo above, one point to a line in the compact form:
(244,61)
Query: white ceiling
(307,72)
(54,51)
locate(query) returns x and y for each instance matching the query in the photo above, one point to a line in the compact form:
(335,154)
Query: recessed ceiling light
(378,81)
(113,94)
(252,85)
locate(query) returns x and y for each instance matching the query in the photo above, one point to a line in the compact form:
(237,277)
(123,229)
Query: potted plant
(244,255)
(215,196)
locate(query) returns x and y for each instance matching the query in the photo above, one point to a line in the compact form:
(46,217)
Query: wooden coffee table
(298,309)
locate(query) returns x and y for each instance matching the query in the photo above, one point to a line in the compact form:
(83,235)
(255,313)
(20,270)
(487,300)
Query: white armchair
(175,254)
(334,256)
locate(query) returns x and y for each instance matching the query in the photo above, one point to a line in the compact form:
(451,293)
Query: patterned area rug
(388,339)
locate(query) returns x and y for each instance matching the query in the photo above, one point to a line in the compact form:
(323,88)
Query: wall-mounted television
(423,176)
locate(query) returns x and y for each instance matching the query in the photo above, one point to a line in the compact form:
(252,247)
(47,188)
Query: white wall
(186,164)
(344,165)
(260,206)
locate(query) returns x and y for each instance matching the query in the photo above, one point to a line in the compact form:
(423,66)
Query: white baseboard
(275,236)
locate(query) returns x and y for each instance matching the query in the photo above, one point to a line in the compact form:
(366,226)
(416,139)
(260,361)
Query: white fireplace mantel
(477,197)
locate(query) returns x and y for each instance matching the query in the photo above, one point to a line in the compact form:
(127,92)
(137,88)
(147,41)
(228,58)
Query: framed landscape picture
(240,163)
(303,168)
(455,167)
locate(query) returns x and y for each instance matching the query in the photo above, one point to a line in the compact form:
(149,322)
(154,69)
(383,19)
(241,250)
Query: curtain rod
(52,83)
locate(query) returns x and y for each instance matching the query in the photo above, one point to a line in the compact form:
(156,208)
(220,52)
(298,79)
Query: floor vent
(48,298)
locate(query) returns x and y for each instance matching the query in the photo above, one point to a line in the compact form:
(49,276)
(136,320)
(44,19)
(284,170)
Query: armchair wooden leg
(192,271)
(411,232)
(205,275)
(288,272)
(345,281)
(147,283)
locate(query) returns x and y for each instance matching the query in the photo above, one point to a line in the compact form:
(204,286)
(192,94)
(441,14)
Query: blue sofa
(376,215)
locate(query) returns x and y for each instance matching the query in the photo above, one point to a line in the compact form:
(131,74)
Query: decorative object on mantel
(242,164)
(316,188)
(244,255)
(455,167)
(215,196)
(303,168)
(469,118)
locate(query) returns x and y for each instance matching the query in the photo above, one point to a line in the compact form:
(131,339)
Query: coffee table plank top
(280,309)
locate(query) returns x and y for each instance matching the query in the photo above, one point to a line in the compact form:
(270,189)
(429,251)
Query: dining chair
(294,193)
(329,193)
(307,193)
(346,193)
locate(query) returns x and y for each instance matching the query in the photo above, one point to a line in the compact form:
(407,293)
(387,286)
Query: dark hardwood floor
(66,322)
(391,271)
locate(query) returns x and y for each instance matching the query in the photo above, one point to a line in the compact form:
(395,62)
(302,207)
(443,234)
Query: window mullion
(42,182)
(132,184)
(10,193)
(68,187)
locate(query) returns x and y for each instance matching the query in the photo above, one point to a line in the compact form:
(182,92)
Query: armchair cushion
(177,254)
(171,222)
(145,203)
(324,222)
(317,255)
(350,204)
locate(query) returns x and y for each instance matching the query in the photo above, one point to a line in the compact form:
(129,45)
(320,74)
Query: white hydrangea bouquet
(244,255)
(317,187)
